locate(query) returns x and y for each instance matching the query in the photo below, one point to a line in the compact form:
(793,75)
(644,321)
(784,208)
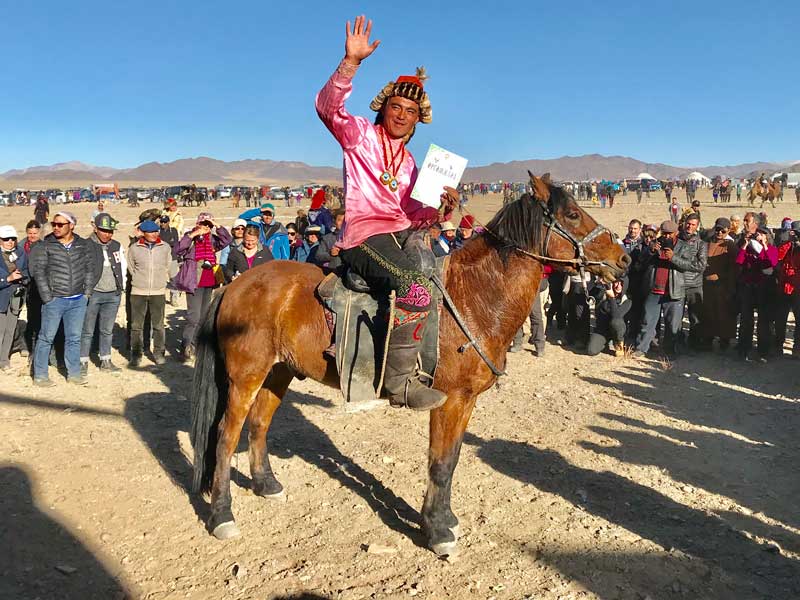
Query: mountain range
(205,169)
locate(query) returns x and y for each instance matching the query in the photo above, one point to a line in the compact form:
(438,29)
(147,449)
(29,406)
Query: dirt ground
(580,478)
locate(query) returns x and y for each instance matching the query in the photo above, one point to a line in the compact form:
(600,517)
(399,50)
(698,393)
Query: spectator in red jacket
(756,258)
(788,280)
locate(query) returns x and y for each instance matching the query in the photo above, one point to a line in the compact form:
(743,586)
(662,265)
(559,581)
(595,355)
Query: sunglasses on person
(59,224)
(8,239)
(718,229)
(292,233)
(238,227)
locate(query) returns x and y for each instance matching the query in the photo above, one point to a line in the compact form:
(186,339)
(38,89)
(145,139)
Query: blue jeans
(71,312)
(673,317)
(102,306)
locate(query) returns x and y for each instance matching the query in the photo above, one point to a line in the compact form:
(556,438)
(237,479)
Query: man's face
(267,217)
(400,115)
(100,206)
(736,224)
(32,234)
(434,232)
(720,233)
(312,238)
(250,241)
(104,235)
(150,237)
(690,226)
(61,227)
(634,229)
(750,224)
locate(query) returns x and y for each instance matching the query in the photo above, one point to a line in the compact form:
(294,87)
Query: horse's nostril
(624,261)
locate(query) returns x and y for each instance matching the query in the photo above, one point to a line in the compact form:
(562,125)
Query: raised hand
(357,46)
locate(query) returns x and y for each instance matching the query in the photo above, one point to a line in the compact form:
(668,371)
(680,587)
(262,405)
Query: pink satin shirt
(371,208)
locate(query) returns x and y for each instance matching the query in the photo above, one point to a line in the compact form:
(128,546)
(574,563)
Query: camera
(206,265)
(666,243)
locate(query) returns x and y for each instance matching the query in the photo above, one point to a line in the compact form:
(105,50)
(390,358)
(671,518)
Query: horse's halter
(579,260)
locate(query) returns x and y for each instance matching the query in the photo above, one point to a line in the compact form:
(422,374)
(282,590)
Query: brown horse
(268,327)
(768,193)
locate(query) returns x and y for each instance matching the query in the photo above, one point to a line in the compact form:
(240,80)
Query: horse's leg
(267,401)
(221,522)
(448,424)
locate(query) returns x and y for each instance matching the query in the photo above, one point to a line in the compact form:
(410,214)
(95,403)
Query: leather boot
(400,380)
(107,365)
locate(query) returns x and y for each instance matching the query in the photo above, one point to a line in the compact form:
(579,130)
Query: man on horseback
(380,213)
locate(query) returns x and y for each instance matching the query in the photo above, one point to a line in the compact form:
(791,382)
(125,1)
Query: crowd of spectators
(726,282)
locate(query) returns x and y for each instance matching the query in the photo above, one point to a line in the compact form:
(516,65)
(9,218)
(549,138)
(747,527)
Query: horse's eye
(574,215)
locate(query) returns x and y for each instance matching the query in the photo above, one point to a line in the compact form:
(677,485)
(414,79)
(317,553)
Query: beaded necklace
(389,175)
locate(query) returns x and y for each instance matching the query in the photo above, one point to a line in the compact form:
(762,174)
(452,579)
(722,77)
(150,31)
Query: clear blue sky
(122,83)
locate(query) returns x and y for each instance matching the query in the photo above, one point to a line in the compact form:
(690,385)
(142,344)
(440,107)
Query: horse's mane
(520,223)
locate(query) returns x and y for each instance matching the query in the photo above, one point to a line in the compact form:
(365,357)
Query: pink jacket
(371,208)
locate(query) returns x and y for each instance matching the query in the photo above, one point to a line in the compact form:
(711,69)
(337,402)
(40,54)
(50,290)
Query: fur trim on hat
(407,87)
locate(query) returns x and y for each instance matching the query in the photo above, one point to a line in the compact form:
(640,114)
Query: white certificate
(440,168)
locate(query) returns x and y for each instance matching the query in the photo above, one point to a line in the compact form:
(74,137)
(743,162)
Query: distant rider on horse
(379,174)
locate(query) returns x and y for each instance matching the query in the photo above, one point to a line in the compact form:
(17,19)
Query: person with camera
(13,281)
(788,282)
(64,267)
(102,308)
(611,305)
(757,258)
(718,318)
(199,273)
(667,259)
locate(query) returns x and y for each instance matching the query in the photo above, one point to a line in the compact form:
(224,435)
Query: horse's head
(549,223)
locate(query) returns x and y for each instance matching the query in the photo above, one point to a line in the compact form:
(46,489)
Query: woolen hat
(148,226)
(7,231)
(669,227)
(467,222)
(67,215)
(796,226)
(105,221)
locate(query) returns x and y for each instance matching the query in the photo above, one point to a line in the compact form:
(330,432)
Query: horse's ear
(541,187)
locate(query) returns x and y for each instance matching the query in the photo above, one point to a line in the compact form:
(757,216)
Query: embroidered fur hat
(410,87)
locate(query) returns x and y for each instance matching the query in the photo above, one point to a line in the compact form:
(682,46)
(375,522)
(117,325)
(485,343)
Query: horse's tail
(209,384)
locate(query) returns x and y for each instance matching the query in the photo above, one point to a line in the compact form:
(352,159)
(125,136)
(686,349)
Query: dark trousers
(753,297)
(557,308)
(384,263)
(605,330)
(101,313)
(694,302)
(140,305)
(633,319)
(196,305)
(654,304)
(578,316)
(8,328)
(784,304)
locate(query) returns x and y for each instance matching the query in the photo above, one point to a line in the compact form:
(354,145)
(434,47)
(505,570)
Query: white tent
(644,176)
(698,176)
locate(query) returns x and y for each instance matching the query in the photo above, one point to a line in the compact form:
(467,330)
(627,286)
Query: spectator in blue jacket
(273,233)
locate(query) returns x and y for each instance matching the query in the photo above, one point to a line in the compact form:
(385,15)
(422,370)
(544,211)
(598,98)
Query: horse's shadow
(648,514)
(159,417)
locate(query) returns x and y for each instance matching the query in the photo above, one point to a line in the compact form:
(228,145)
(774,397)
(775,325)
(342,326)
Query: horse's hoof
(456,530)
(226,531)
(276,496)
(445,549)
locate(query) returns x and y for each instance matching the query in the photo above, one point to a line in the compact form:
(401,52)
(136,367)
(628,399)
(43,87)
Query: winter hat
(239,223)
(148,226)
(467,222)
(268,207)
(67,215)
(722,223)
(786,223)
(318,199)
(410,87)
